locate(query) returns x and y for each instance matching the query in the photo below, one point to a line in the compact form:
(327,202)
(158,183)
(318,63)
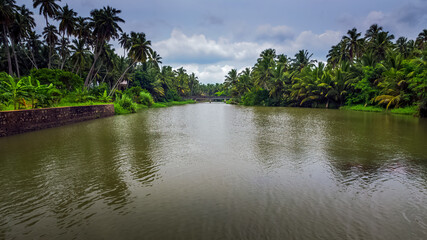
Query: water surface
(217,171)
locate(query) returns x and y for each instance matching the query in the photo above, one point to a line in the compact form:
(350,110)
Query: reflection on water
(215,171)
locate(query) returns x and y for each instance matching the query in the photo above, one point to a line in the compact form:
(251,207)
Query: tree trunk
(94,76)
(34,59)
(31,60)
(6,44)
(16,60)
(121,78)
(95,58)
(63,52)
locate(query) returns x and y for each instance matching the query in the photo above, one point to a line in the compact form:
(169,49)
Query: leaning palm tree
(50,34)
(105,25)
(48,8)
(139,52)
(7,9)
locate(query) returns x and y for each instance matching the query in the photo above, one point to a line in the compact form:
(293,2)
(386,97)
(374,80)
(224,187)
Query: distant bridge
(208,98)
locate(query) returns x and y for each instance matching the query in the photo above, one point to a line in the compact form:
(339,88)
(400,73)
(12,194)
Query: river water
(217,171)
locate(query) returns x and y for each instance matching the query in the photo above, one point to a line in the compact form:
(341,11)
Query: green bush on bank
(146,99)
(124,105)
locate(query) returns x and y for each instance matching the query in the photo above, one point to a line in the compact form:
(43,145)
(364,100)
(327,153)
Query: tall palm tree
(422,39)
(50,34)
(302,59)
(48,8)
(124,42)
(354,43)
(381,44)
(155,59)
(139,52)
(231,78)
(67,24)
(79,55)
(105,25)
(20,29)
(7,9)
(373,32)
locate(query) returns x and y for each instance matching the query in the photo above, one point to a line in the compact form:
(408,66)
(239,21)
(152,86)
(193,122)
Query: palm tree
(79,54)
(373,32)
(422,39)
(48,8)
(20,29)
(302,59)
(105,25)
(139,52)
(7,9)
(67,24)
(124,42)
(155,59)
(381,44)
(231,78)
(354,43)
(50,34)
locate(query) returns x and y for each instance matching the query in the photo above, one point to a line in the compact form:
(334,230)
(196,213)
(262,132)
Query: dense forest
(73,60)
(373,70)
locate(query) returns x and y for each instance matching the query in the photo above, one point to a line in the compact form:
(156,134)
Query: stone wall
(20,121)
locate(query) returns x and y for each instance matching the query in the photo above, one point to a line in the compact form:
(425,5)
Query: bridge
(208,98)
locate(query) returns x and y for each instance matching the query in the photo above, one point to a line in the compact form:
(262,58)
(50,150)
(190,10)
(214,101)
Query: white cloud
(211,59)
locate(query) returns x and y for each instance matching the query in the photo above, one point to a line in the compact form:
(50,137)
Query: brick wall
(20,121)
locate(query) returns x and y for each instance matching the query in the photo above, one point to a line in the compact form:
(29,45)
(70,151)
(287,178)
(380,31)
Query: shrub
(145,98)
(61,79)
(124,105)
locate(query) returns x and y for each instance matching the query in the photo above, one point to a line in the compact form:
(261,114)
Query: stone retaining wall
(20,121)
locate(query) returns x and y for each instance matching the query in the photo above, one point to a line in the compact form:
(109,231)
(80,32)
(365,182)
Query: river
(217,171)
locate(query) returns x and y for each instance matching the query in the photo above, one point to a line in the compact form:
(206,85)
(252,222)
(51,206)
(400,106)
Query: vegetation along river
(217,171)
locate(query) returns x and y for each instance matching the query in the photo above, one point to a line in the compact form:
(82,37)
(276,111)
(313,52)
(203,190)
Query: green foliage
(256,97)
(363,108)
(172,95)
(62,80)
(104,97)
(145,98)
(124,105)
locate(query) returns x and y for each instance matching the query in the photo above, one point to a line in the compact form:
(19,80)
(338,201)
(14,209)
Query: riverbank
(411,110)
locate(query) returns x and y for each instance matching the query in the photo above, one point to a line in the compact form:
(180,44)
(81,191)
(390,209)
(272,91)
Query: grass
(410,110)
(173,103)
(61,104)
(363,108)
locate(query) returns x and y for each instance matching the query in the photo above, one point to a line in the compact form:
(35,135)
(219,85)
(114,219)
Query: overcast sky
(210,37)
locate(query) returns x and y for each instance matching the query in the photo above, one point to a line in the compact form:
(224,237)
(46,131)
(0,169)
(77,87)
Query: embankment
(20,121)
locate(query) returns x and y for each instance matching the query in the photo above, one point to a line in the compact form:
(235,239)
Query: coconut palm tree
(20,29)
(231,78)
(7,9)
(48,8)
(354,43)
(105,25)
(422,39)
(50,34)
(139,52)
(67,24)
(124,42)
(373,32)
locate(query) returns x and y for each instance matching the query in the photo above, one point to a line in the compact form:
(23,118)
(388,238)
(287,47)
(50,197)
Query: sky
(211,37)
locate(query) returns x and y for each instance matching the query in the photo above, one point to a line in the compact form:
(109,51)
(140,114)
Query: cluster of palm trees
(359,70)
(82,45)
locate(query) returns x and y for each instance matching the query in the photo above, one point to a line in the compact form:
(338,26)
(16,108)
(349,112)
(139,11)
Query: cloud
(275,33)
(211,59)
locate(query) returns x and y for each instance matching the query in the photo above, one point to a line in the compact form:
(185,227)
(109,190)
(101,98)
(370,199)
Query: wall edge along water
(21,121)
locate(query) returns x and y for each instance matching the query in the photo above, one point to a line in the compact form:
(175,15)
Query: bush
(124,105)
(256,97)
(61,79)
(172,95)
(145,98)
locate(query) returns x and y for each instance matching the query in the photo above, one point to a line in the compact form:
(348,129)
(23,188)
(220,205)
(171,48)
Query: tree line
(77,50)
(369,70)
